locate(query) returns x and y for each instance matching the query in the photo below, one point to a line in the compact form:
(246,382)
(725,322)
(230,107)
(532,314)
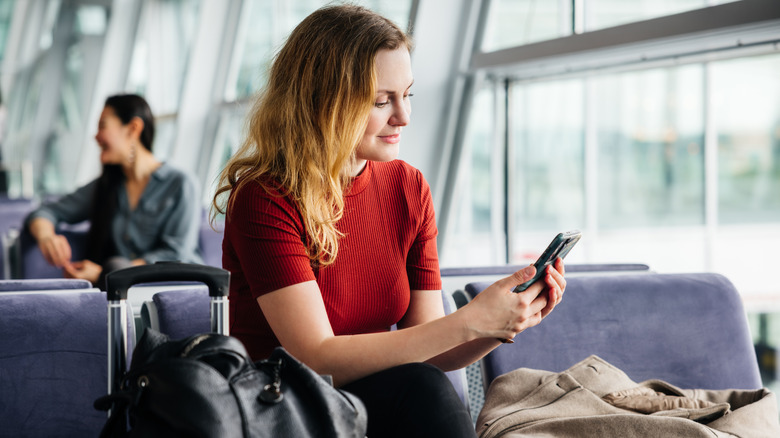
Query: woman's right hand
(55,249)
(498,312)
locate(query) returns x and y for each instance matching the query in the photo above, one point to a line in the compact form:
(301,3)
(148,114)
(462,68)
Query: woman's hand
(55,249)
(497,312)
(85,269)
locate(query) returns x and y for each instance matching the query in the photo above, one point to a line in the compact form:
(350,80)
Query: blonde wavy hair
(306,125)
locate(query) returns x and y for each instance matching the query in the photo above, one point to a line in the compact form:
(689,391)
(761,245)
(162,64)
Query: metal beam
(717,28)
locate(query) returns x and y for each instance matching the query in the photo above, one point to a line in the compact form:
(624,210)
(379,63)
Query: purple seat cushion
(53,360)
(43,284)
(183,312)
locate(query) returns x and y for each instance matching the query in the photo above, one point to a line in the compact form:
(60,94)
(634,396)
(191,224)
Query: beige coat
(595,399)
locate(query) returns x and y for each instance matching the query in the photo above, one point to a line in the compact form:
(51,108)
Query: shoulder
(173,177)
(399,170)
(264,197)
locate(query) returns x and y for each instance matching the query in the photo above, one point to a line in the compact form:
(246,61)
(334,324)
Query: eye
(381,104)
(406,96)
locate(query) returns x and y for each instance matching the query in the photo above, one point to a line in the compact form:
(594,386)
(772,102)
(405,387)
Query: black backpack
(206,386)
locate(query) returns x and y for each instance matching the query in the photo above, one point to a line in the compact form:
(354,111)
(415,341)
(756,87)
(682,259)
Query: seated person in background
(140,210)
(330,240)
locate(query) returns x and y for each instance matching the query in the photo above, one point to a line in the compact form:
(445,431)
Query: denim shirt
(163,226)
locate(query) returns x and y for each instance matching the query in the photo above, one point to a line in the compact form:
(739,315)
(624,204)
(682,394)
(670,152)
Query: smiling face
(114,138)
(391,109)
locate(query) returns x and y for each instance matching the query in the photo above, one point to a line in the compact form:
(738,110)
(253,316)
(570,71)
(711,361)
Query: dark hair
(105,204)
(127,107)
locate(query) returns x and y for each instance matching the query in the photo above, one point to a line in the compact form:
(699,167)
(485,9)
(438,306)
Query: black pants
(413,400)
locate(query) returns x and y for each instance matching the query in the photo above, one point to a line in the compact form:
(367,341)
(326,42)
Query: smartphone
(559,247)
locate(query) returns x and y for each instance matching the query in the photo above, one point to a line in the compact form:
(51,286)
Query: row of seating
(688,329)
(21,258)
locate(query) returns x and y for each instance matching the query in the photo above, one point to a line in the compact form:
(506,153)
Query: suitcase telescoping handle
(117,284)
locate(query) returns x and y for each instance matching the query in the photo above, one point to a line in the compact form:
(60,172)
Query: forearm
(348,358)
(464,355)
(41,228)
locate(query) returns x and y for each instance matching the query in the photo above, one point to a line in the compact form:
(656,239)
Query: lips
(392,139)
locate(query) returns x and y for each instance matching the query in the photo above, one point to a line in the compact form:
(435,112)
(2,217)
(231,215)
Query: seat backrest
(210,241)
(457,377)
(31,263)
(43,284)
(12,214)
(687,329)
(53,361)
(183,312)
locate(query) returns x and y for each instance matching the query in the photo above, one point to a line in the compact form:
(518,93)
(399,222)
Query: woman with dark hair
(330,240)
(140,209)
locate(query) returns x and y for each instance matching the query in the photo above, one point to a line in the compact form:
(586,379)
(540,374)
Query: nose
(401,113)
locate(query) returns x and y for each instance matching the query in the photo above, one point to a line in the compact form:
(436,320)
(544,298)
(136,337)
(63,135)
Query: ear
(135,127)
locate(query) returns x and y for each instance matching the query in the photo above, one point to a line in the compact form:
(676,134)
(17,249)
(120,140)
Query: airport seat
(690,330)
(31,263)
(179,313)
(458,377)
(210,242)
(43,284)
(53,363)
(575,268)
(12,214)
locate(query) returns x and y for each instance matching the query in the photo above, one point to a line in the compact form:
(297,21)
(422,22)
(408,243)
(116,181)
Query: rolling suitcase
(206,385)
(119,282)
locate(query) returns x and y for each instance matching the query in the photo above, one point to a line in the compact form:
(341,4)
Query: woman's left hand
(85,269)
(555,285)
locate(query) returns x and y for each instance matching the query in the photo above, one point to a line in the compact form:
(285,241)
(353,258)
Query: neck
(142,167)
(358,167)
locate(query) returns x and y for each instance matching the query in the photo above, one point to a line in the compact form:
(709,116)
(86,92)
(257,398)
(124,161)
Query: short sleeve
(267,235)
(423,259)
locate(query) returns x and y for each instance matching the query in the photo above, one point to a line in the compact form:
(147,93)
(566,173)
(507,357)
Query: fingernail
(507,341)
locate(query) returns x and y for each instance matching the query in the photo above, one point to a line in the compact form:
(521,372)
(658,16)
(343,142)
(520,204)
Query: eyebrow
(391,91)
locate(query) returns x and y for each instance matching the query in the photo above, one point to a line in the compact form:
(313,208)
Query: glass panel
(547,173)
(650,131)
(746,105)
(47,33)
(469,235)
(161,52)
(517,22)
(91,20)
(607,13)
(6,10)
(230,134)
(268,22)
(164,136)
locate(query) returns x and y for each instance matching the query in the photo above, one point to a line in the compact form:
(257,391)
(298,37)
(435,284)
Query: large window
(513,23)
(746,106)
(476,230)
(546,121)
(517,22)
(649,135)
(265,25)
(672,161)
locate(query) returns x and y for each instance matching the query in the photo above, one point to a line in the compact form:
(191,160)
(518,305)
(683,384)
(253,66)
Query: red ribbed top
(389,248)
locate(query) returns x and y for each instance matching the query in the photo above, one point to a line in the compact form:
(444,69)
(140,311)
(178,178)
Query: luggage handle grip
(118,282)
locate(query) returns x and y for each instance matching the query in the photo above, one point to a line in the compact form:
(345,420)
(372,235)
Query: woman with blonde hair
(331,240)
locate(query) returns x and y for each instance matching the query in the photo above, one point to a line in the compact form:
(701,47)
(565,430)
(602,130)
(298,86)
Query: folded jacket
(595,399)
